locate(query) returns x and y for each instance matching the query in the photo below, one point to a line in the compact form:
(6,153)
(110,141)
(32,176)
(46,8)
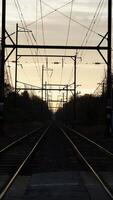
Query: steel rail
(108,153)
(11,180)
(103,184)
(19,139)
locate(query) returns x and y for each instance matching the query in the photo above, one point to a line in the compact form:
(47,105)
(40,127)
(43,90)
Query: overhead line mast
(2,64)
(109,106)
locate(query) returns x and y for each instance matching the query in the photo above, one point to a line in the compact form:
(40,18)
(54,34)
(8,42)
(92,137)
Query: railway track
(12,154)
(56,149)
(19,139)
(96,161)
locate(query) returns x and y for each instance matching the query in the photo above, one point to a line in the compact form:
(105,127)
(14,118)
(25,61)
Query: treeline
(87,109)
(25,108)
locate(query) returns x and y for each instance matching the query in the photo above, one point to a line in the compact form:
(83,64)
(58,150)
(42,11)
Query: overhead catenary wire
(89,29)
(21,16)
(36,20)
(25,75)
(43,35)
(42,23)
(99,18)
(55,10)
(9,71)
(88,33)
(27,34)
(22,19)
(73,20)
(46,15)
(67,39)
(36,39)
(30,34)
(92,24)
(70,19)
(69,25)
(93,21)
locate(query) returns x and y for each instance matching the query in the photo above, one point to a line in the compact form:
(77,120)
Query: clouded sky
(60,22)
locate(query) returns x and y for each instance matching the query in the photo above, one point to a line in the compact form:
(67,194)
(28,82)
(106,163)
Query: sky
(60,22)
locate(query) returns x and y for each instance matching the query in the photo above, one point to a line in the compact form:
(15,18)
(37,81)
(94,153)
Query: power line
(70,19)
(46,15)
(69,25)
(21,16)
(43,33)
(9,71)
(93,22)
(36,40)
(99,16)
(67,39)
(73,20)
(36,20)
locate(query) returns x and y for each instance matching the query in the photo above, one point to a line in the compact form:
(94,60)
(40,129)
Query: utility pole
(74,102)
(103,88)
(109,78)
(45,92)
(66,117)
(66,93)
(16,62)
(42,80)
(47,63)
(47,99)
(2,67)
(48,69)
(75,85)
(63,107)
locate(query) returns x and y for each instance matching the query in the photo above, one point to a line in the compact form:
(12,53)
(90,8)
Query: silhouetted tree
(89,110)
(27,108)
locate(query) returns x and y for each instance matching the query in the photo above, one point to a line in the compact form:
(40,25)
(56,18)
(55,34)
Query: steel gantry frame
(99,48)
(44,86)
